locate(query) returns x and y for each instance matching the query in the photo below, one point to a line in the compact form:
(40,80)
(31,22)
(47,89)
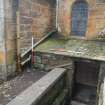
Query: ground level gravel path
(10,89)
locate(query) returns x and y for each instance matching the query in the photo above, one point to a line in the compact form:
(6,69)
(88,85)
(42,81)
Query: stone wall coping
(34,93)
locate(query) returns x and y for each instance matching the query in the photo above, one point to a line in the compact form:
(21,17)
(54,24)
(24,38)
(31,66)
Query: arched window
(79,18)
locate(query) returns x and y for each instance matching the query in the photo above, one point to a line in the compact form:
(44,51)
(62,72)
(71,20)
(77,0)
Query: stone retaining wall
(52,89)
(47,61)
(101,85)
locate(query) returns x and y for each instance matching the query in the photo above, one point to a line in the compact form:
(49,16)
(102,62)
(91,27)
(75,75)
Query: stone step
(76,103)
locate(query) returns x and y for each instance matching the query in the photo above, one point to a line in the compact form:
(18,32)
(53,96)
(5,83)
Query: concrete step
(84,94)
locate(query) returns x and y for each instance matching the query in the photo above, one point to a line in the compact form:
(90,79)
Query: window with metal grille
(79,18)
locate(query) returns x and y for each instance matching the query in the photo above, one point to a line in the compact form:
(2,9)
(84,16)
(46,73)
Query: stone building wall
(7,38)
(46,61)
(37,18)
(56,95)
(96,17)
(2,42)
(10,35)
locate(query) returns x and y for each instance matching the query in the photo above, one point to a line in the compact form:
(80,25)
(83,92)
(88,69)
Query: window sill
(100,3)
(77,37)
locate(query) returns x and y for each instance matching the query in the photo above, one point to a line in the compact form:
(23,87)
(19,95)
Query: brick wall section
(36,19)
(47,61)
(7,38)
(10,33)
(96,18)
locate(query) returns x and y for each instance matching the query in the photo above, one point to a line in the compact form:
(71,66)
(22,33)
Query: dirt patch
(14,87)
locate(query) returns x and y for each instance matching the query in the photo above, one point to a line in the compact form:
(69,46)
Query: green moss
(75,48)
(10,57)
(51,44)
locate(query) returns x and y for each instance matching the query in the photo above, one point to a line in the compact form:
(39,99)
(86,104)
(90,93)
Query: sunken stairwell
(85,83)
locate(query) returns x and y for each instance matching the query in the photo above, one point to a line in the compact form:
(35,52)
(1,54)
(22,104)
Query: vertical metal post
(57,2)
(57,16)
(32,56)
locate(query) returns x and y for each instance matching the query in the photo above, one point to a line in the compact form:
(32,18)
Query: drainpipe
(57,15)
(5,37)
(57,7)
(33,60)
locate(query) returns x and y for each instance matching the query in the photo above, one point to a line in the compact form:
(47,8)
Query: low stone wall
(52,89)
(3,72)
(47,61)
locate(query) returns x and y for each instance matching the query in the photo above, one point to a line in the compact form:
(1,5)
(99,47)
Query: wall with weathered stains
(7,38)
(37,18)
(2,43)
(96,18)
(47,61)
(10,33)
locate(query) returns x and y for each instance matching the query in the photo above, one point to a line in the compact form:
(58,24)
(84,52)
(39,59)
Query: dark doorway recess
(85,83)
(79,18)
